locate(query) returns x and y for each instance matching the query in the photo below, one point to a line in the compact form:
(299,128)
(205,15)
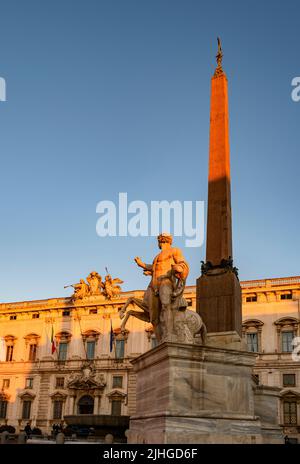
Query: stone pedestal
(219,301)
(228,340)
(197,394)
(266,406)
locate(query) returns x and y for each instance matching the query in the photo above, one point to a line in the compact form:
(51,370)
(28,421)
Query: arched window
(290,408)
(31,343)
(116,399)
(58,400)
(287,329)
(86,405)
(3,405)
(63,339)
(10,341)
(90,338)
(252,333)
(120,339)
(26,404)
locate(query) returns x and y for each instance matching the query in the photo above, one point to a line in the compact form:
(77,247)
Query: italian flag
(53,346)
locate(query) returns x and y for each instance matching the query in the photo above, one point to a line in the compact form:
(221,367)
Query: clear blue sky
(113,96)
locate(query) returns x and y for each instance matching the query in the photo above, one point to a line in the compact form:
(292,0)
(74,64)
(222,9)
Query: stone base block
(228,340)
(199,394)
(195,430)
(219,301)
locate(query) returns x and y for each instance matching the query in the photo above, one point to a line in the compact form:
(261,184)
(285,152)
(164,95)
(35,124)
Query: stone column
(71,405)
(96,405)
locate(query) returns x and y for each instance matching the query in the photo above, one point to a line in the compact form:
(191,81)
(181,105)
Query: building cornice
(53,305)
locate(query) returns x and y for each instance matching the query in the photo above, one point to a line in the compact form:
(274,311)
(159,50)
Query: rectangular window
(29,382)
(5,384)
(9,353)
(289,380)
(90,349)
(62,353)
(66,313)
(120,345)
(26,409)
(3,409)
(286,296)
(57,409)
(290,412)
(251,299)
(60,382)
(93,311)
(117,381)
(13,318)
(287,338)
(116,407)
(252,342)
(32,352)
(35,316)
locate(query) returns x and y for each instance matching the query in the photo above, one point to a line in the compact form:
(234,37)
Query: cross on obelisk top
(219,56)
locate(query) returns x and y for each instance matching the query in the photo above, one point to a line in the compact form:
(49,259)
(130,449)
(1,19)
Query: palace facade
(60,364)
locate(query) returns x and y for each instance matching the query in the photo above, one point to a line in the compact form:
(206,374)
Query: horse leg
(124,322)
(144,316)
(138,314)
(124,307)
(135,301)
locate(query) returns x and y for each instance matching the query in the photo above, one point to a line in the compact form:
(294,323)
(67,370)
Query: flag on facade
(53,345)
(111,337)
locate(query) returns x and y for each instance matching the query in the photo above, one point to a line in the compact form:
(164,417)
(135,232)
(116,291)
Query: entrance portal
(86,405)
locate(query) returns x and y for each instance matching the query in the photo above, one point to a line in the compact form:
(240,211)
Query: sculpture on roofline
(110,288)
(94,281)
(81,290)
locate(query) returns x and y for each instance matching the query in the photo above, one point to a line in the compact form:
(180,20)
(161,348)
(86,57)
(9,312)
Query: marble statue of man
(169,271)
(94,280)
(81,290)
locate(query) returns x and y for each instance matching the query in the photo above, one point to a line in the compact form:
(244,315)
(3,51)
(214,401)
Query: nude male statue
(163,303)
(160,294)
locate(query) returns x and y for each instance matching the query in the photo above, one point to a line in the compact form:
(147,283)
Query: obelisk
(203,391)
(218,288)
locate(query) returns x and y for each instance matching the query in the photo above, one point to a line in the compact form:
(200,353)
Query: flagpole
(111,338)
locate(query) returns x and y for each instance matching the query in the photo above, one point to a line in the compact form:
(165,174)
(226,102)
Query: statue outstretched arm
(146,267)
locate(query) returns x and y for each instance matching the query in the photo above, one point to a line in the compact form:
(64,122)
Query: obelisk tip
(219,70)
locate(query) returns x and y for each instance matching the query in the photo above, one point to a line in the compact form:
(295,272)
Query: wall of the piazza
(276,311)
(46,368)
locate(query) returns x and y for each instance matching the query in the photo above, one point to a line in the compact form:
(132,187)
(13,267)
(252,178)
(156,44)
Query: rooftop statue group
(163,304)
(109,288)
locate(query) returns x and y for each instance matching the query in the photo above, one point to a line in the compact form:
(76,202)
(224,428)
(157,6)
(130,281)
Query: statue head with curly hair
(164,238)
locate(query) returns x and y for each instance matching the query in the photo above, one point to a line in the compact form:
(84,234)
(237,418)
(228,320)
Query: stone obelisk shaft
(218,288)
(219,235)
